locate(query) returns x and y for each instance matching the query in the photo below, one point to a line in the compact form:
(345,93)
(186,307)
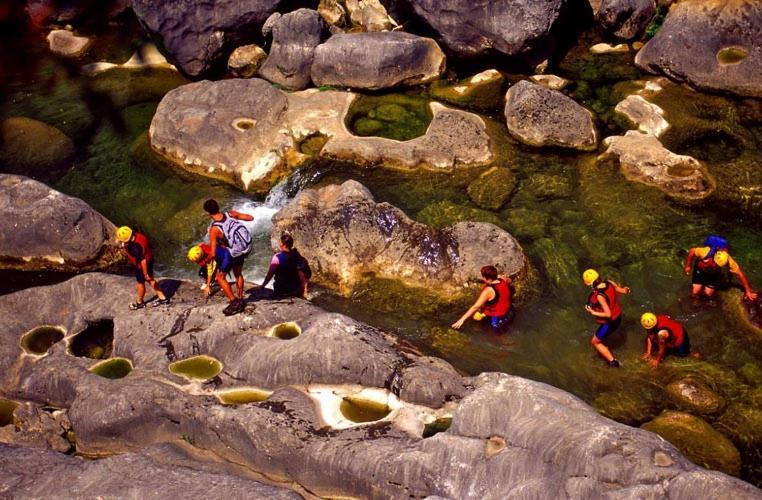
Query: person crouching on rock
(202,255)
(707,263)
(290,269)
(230,243)
(603,304)
(666,336)
(494,301)
(138,250)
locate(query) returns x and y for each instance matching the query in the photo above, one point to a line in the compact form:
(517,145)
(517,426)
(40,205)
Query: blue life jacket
(715,243)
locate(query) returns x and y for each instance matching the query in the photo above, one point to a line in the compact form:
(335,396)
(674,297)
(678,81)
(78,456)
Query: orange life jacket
(501,304)
(141,240)
(608,293)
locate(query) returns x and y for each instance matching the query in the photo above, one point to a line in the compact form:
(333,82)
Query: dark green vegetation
(395,116)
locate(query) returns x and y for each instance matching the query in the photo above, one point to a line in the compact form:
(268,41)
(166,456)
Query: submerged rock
(648,117)
(493,188)
(67,44)
(248,133)
(483,90)
(246,60)
(486,452)
(33,148)
(346,234)
(377,60)
(626,19)
(710,44)
(192,39)
(295,36)
(43,229)
(539,116)
(644,159)
(441,214)
(694,396)
(697,440)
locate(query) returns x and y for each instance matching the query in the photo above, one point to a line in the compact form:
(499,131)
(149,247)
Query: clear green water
(197,367)
(361,410)
(112,368)
(243,395)
(42,338)
(567,211)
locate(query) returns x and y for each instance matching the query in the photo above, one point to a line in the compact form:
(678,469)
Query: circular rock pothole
(285,331)
(244,124)
(394,116)
(94,342)
(436,426)
(112,368)
(39,340)
(242,395)
(200,367)
(731,55)
(7,407)
(361,410)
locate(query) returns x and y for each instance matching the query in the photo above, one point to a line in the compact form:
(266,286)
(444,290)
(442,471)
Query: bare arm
(486,295)
(304,283)
(240,215)
(620,289)
(663,334)
(214,234)
(270,273)
(689,260)
(605,312)
(749,294)
(649,347)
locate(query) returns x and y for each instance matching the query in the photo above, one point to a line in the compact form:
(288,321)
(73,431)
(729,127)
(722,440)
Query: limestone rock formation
(41,228)
(295,36)
(33,148)
(248,133)
(377,60)
(709,44)
(643,159)
(539,116)
(312,429)
(245,60)
(67,44)
(345,234)
(192,38)
(647,116)
(553,82)
(626,19)
(513,27)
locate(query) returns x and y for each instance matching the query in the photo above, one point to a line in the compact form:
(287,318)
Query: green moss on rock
(483,91)
(446,213)
(493,188)
(524,223)
(34,149)
(395,116)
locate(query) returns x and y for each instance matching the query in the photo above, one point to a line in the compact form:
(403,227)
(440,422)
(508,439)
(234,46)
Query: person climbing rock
(138,250)
(707,264)
(603,304)
(291,271)
(666,336)
(202,255)
(230,243)
(494,301)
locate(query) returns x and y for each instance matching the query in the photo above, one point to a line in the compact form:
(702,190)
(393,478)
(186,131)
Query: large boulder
(644,159)
(197,37)
(41,228)
(295,36)
(346,234)
(33,148)
(511,27)
(695,396)
(626,19)
(539,116)
(249,133)
(377,60)
(710,44)
(323,419)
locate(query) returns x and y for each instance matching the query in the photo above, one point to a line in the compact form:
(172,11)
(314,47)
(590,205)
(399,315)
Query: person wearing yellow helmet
(603,305)
(665,336)
(137,248)
(202,255)
(707,266)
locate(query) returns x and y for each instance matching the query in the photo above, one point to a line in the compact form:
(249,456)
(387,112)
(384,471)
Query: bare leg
(696,290)
(223,282)
(709,292)
(239,283)
(602,349)
(141,292)
(157,289)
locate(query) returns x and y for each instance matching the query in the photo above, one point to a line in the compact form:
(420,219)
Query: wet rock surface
(160,423)
(295,36)
(192,39)
(377,60)
(626,19)
(539,116)
(67,44)
(247,132)
(246,60)
(33,148)
(345,234)
(482,91)
(710,44)
(44,229)
(695,396)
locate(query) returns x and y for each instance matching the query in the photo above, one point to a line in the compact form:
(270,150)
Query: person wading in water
(494,301)
(603,304)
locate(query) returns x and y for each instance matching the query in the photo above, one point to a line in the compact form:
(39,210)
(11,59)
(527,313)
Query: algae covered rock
(493,188)
(527,223)
(548,186)
(394,116)
(559,261)
(483,90)
(697,440)
(33,148)
(625,407)
(539,116)
(743,423)
(441,214)
(693,395)
(710,44)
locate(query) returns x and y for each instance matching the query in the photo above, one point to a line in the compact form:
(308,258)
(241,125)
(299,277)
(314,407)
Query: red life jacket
(708,265)
(142,240)
(609,293)
(501,304)
(675,329)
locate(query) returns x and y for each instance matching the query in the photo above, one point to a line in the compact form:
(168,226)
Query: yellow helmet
(721,258)
(648,320)
(195,253)
(124,234)
(590,276)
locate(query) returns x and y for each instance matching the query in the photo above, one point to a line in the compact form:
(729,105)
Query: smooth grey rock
(67,44)
(248,133)
(626,19)
(512,27)
(539,116)
(377,60)
(41,228)
(246,60)
(346,234)
(198,36)
(710,44)
(295,36)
